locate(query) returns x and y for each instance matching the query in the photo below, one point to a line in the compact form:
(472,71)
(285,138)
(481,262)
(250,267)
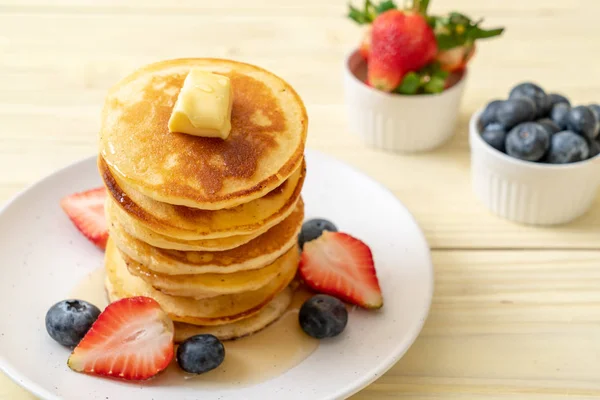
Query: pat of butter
(203,107)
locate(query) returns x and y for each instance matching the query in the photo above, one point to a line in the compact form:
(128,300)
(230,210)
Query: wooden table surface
(516,311)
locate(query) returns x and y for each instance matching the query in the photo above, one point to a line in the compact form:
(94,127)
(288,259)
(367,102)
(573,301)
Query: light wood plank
(503,325)
(54,82)
(451,217)
(505,7)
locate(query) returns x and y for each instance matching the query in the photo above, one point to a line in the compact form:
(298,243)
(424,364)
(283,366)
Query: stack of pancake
(205,226)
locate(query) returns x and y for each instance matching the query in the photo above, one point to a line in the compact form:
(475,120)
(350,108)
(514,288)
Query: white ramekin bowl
(527,192)
(398,122)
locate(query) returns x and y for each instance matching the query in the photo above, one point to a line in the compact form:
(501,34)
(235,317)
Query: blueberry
(582,120)
(313,228)
(567,147)
(556,98)
(535,93)
(549,125)
(595,109)
(546,108)
(489,114)
(68,321)
(512,112)
(200,353)
(559,114)
(594,146)
(528,141)
(323,316)
(494,134)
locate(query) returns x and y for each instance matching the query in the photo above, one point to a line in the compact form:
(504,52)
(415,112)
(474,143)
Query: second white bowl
(401,123)
(528,192)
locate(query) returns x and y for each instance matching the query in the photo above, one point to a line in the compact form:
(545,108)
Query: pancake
(255,254)
(265,145)
(213,311)
(235,330)
(187,223)
(203,286)
(135,229)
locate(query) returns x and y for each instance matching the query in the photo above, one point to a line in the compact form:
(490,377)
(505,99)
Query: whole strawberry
(401,41)
(410,59)
(366,16)
(456,58)
(456,34)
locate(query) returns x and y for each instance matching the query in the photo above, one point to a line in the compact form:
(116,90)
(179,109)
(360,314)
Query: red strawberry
(456,58)
(86,210)
(401,42)
(365,45)
(132,339)
(342,266)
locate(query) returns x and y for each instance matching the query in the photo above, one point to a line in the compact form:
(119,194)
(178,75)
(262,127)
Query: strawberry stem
(418,6)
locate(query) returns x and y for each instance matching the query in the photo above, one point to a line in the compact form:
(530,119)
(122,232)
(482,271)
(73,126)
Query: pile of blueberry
(534,126)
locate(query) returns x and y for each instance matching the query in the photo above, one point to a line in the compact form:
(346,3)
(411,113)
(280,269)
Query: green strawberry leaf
(357,16)
(364,16)
(478,33)
(410,84)
(456,29)
(437,80)
(458,18)
(432,21)
(446,41)
(435,85)
(429,79)
(370,11)
(385,6)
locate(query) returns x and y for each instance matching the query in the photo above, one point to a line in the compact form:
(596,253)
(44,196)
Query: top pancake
(265,146)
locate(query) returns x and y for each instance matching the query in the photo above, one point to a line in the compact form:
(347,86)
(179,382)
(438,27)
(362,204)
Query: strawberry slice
(132,339)
(342,266)
(86,211)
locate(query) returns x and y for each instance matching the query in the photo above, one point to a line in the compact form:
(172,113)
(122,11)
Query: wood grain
(516,311)
(59,58)
(503,325)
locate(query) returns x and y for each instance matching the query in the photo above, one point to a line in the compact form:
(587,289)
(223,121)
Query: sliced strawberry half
(342,266)
(132,339)
(86,211)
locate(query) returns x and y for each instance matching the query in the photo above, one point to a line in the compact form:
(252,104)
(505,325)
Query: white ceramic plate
(42,257)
